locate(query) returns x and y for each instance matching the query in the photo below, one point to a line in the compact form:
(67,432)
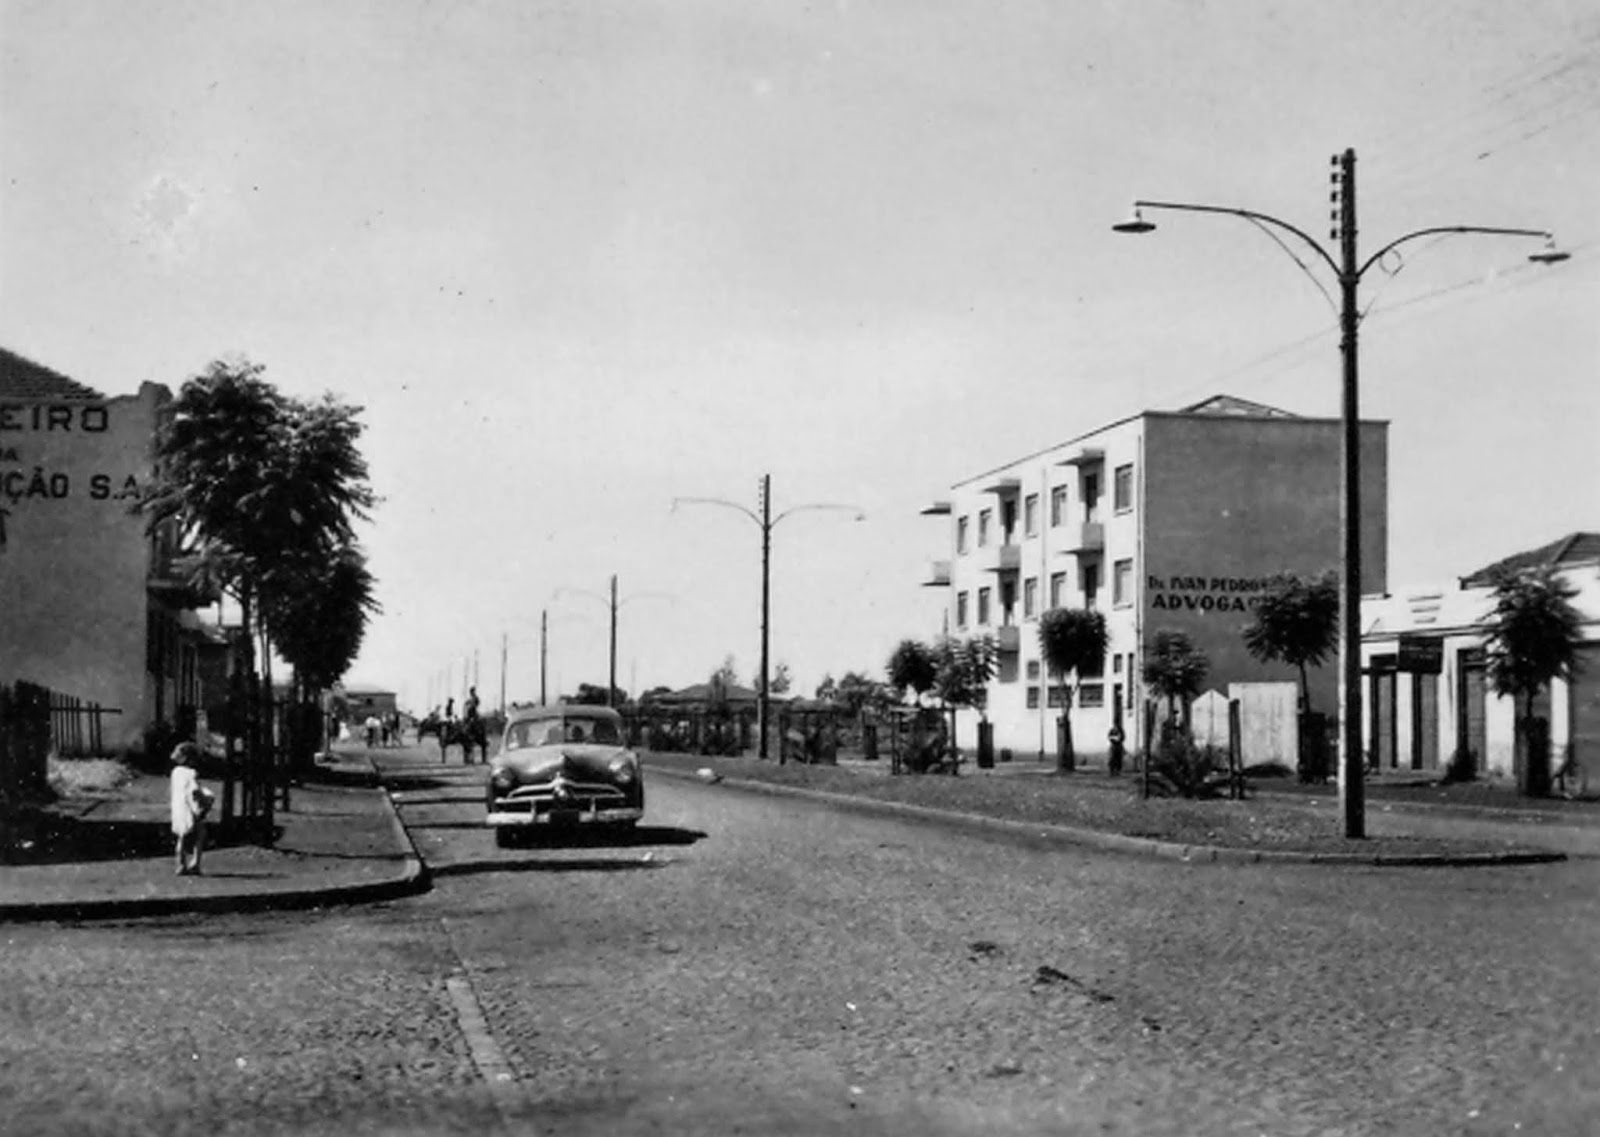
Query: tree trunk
(1305,690)
(1066,759)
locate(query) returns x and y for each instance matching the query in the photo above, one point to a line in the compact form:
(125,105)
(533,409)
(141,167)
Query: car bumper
(580,816)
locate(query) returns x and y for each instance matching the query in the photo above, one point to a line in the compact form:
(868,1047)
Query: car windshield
(555,732)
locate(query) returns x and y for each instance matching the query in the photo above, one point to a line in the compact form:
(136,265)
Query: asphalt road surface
(756,965)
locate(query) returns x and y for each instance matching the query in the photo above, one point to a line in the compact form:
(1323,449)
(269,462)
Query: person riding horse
(472,731)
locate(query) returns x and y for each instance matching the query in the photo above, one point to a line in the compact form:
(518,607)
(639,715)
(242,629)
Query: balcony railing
(1088,537)
(1001,558)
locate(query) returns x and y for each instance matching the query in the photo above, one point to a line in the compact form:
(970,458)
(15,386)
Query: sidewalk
(340,842)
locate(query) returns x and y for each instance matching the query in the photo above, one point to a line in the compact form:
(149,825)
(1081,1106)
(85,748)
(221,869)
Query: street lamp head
(1549,255)
(1134,224)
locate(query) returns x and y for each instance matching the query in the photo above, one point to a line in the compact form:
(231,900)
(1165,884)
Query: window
(1008,521)
(1116,664)
(1058,588)
(1058,505)
(1092,695)
(1116,696)
(961,609)
(1008,602)
(1033,669)
(984,517)
(1033,698)
(961,536)
(1091,497)
(1055,699)
(1091,584)
(1122,583)
(1122,489)
(983,607)
(1030,515)
(1030,598)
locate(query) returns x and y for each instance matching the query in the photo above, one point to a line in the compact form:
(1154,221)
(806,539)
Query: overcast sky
(576,259)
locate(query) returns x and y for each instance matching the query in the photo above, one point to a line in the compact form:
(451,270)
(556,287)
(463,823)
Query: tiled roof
(24,379)
(1233,405)
(1571,549)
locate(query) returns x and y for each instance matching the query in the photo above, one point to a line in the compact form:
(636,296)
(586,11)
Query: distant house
(364,701)
(1426,672)
(91,602)
(702,694)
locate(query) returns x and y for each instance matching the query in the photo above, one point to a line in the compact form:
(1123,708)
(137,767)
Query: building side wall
(1232,501)
(75,562)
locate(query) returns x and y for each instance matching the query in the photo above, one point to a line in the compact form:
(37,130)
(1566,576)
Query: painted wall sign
(1206,593)
(19,483)
(87,418)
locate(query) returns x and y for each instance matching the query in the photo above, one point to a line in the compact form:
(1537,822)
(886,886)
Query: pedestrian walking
(190,803)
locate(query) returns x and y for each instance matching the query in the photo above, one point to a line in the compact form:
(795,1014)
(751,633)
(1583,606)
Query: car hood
(574,759)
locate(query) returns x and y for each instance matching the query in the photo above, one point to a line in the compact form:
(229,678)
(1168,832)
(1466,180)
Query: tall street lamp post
(613,605)
(766,522)
(1348,269)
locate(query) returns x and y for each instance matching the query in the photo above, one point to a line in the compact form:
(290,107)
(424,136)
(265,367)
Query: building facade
(1427,689)
(1165,520)
(90,604)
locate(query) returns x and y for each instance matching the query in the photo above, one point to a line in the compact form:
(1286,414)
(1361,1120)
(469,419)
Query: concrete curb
(1118,842)
(412,879)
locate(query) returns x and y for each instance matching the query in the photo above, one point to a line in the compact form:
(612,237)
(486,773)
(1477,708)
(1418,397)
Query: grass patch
(1088,801)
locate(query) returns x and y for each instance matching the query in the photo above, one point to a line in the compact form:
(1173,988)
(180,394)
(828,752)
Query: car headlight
(502,779)
(625,767)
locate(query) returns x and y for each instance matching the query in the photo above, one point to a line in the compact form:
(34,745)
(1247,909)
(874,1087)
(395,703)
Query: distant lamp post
(1348,270)
(766,522)
(614,605)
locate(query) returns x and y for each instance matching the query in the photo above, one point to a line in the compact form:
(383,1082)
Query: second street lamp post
(767,523)
(613,604)
(1348,269)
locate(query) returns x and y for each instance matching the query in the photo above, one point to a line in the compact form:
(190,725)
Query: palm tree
(1296,622)
(1533,637)
(1070,640)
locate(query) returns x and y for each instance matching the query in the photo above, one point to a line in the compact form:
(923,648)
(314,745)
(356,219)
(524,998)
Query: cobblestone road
(798,971)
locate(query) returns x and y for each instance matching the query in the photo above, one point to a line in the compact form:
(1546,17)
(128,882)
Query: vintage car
(559,764)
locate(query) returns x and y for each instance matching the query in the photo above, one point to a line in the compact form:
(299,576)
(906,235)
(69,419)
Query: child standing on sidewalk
(190,803)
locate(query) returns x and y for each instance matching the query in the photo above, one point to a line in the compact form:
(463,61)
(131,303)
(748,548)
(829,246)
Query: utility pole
(544,652)
(504,643)
(762,709)
(611,687)
(1352,791)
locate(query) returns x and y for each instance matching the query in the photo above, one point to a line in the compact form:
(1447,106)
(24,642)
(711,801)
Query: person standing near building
(190,803)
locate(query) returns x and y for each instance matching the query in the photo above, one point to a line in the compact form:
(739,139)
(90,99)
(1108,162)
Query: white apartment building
(1166,519)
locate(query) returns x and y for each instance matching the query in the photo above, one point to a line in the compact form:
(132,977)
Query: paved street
(757,965)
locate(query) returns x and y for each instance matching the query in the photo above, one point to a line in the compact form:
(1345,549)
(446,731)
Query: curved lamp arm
(1247,214)
(1398,241)
(715,501)
(829,506)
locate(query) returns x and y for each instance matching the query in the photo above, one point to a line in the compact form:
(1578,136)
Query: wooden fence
(36,722)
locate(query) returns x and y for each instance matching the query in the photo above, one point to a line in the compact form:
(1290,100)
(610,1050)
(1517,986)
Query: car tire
(504,836)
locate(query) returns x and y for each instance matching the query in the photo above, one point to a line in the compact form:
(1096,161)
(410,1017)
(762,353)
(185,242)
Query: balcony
(938,575)
(1008,638)
(937,509)
(1084,456)
(1089,537)
(1003,486)
(1000,558)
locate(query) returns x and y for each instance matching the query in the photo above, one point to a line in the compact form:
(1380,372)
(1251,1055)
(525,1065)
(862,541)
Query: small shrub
(1462,767)
(1182,768)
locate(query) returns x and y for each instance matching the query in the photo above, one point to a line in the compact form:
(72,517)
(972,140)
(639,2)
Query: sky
(576,260)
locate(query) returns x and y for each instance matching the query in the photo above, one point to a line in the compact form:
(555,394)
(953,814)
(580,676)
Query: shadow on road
(600,837)
(532,864)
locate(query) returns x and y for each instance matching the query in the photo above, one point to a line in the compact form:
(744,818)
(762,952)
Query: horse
(465,733)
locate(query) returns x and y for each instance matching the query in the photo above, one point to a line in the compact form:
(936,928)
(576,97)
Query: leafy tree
(1296,622)
(965,668)
(726,675)
(1534,633)
(265,491)
(828,690)
(860,692)
(1174,669)
(782,680)
(594,695)
(654,693)
(1071,640)
(913,667)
